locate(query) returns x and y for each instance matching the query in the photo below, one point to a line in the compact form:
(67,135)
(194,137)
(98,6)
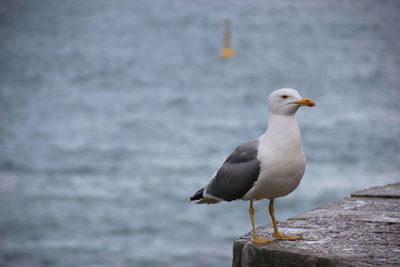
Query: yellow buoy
(227,51)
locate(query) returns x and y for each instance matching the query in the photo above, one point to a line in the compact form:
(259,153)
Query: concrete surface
(362,230)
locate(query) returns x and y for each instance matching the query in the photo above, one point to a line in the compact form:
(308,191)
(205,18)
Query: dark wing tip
(198,195)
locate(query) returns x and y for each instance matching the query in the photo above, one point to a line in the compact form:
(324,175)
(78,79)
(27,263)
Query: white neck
(283,130)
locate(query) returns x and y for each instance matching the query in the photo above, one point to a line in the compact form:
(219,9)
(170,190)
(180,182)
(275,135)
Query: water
(113,113)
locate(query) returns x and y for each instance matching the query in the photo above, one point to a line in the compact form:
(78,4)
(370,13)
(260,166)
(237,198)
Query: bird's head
(286,101)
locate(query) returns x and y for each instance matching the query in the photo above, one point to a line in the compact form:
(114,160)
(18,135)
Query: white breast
(282,162)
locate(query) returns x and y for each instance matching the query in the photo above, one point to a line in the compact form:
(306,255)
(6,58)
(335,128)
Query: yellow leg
(256,238)
(276,232)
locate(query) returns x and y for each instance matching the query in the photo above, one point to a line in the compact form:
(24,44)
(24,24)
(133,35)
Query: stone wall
(361,230)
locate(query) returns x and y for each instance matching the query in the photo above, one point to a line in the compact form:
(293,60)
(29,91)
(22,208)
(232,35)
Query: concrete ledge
(386,191)
(362,230)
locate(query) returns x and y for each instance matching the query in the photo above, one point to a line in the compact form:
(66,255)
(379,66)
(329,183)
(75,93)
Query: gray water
(113,113)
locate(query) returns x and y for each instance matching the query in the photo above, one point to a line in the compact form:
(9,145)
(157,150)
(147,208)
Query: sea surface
(113,113)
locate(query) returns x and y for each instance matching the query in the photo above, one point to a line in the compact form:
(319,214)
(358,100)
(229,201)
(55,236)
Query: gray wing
(238,173)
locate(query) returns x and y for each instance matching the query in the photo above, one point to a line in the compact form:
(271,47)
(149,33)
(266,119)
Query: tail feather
(198,195)
(202,199)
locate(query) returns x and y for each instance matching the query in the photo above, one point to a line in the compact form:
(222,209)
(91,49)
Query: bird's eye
(284,96)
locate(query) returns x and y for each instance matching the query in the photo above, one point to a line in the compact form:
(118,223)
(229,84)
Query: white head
(286,101)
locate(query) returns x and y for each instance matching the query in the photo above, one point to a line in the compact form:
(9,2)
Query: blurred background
(113,113)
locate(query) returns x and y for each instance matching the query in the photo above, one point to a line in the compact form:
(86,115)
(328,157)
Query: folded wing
(235,177)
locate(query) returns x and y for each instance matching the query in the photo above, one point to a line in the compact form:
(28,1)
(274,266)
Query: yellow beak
(305,102)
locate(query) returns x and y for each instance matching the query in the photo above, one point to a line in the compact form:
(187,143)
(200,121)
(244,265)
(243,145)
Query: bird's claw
(287,237)
(260,240)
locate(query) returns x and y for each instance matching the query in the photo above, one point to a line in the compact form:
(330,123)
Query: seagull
(266,168)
